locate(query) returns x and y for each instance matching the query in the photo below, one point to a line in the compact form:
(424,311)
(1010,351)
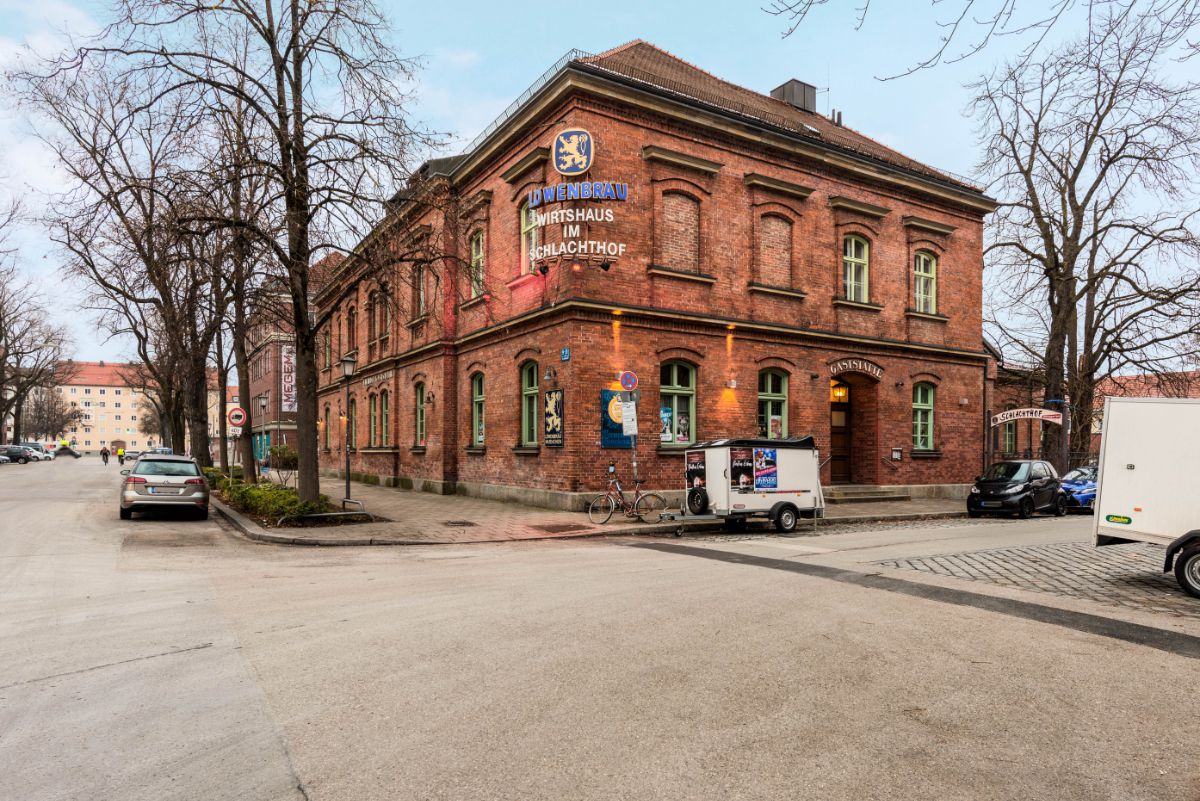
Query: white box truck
(1149,481)
(736,479)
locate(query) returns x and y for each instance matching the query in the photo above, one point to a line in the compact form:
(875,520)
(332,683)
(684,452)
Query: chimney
(798,93)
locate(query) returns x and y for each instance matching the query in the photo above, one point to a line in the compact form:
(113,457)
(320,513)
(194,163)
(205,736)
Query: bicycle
(647,507)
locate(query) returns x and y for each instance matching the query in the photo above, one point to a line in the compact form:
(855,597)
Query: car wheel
(786,520)
(1025,510)
(973,513)
(202,514)
(1060,506)
(1187,571)
(22,460)
(126,514)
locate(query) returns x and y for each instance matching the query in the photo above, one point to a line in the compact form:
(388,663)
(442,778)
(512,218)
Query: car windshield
(1081,474)
(1007,471)
(159,467)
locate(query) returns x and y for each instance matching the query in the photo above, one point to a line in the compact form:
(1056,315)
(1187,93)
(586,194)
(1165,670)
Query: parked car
(1079,485)
(1018,486)
(43,454)
(162,482)
(4,459)
(18,454)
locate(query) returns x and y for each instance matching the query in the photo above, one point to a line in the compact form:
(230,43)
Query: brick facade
(732,265)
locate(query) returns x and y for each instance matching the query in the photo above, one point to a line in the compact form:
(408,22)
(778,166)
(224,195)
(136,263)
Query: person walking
(104,454)
(120,456)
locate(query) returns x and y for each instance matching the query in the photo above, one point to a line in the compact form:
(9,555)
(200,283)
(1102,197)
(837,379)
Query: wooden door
(839,443)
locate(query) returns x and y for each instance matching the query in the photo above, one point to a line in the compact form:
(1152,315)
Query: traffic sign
(629,381)
(237,416)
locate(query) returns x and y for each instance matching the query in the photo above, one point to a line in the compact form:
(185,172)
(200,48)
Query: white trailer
(1148,481)
(737,479)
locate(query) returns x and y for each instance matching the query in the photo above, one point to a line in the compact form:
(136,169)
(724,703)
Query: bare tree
(46,415)
(1092,251)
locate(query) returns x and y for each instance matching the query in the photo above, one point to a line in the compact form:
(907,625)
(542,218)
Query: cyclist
(120,456)
(104,454)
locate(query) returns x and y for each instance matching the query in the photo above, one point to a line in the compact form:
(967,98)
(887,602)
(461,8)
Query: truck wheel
(785,521)
(1187,571)
(1060,506)
(1025,510)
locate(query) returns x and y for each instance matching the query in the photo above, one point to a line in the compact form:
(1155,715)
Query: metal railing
(889,462)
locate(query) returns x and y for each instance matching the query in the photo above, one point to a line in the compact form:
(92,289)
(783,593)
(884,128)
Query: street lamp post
(348,362)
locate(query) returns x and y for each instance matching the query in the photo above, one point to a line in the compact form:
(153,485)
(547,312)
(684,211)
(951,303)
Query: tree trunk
(307,474)
(18,413)
(222,380)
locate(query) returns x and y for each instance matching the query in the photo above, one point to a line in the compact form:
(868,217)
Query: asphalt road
(170,659)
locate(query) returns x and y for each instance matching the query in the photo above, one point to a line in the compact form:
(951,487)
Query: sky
(478,55)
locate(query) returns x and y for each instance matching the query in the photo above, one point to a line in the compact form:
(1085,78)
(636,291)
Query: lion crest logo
(573,152)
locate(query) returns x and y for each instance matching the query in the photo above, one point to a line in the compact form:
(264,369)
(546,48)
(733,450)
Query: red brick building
(761,268)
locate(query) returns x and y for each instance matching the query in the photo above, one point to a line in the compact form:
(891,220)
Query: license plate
(164,491)
(991,504)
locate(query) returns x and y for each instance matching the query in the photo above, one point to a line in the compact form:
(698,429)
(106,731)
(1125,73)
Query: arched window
(477,410)
(922,415)
(856,273)
(419,290)
(477,265)
(925,282)
(419,415)
(372,419)
(772,404)
(529,237)
(1010,434)
(677,400)
(326,427)
(385,435)
(352,425)
(328,348)
(351,329)
(530,420)
(372,303)
(678,237)
(383,314)
(774,250)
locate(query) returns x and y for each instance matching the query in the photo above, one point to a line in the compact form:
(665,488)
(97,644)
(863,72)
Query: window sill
(473,450)
(417,321)
(680,275)
(521,280)
(936,318)
(767,289)
(468,304)
(527,450)
(854,304)
(934,454)
(417,449)
(380,449)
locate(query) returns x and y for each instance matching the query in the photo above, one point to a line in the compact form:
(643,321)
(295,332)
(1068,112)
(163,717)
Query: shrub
(214,474)
(270,500)
(284,457)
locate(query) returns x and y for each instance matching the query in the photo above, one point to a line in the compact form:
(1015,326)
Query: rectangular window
(118,392)
(372,419)
(101,392)
(530,419)
(477,266)
(419,290)
(855,267)
(923,395)
(772,404)
(529,238)
(677,397)
(419,416)
(477,410)
(925,283)
(385,439)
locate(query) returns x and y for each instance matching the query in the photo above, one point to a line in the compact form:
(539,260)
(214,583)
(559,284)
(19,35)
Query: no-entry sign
(237,416)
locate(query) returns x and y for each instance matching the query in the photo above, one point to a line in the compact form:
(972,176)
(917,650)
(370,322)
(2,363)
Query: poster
(611,430)
(694,469)
(664,434)
(629,418)
(287,378)
(741,469)
(776,426)
(683,427)
(766,475)
(552,430)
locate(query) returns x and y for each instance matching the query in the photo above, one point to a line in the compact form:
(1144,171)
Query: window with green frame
(385,439)
(923,395)
(372,420)
(1010,434)
(328,348)
(856,256)
(352,425)
(772,404)
(529,237)
(419,415)
(477,266)
(327,428)
(925,282)
(677,397)
(530,419)
(477,410)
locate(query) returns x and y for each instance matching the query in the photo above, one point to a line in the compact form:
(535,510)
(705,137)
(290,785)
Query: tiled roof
(645,63)
(99,374)
(1151,385)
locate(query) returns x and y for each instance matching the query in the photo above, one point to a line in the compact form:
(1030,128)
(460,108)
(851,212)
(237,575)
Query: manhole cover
(459,523)
(559,528)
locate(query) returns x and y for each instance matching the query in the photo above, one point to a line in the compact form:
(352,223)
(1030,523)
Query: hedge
(272,501)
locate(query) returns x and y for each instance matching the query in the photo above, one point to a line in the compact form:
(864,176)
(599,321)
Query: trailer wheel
(1187,571)
(697,500)
(785,520)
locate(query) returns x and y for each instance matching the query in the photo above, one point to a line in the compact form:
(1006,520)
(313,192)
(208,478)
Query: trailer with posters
(740,479)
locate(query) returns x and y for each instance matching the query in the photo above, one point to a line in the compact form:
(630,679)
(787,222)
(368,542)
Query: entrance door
(839,432)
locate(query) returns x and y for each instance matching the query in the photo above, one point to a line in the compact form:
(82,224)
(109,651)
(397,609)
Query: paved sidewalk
(421,518)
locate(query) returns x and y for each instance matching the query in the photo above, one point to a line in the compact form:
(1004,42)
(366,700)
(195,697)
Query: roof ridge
(612,51)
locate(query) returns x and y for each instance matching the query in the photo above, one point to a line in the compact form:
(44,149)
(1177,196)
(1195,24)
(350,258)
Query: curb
(252,530)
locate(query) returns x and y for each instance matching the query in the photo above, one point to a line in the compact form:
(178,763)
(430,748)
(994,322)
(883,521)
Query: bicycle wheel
(650,507)
(600,509)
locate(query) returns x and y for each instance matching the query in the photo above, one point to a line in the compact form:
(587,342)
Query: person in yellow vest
(120,456)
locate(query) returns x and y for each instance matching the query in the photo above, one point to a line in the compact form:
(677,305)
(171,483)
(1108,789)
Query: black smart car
(1020,487)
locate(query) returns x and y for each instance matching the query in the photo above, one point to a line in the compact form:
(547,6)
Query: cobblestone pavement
(847,526)
(1117,575)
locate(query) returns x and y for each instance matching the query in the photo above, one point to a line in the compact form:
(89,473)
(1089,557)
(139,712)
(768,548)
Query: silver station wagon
(162,481)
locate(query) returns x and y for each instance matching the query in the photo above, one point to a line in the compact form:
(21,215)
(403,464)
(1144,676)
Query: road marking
(1172,642)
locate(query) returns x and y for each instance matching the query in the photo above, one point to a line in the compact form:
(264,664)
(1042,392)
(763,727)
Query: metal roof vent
(798,93)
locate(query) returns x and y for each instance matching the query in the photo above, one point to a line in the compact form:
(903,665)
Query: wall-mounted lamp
(731,383)
(576,267)
(543,268)
(551,375)
(899,384)
(605,266)
(428,398)
(814,376)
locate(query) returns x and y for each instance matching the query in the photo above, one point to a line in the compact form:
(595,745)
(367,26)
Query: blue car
(1079,486)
